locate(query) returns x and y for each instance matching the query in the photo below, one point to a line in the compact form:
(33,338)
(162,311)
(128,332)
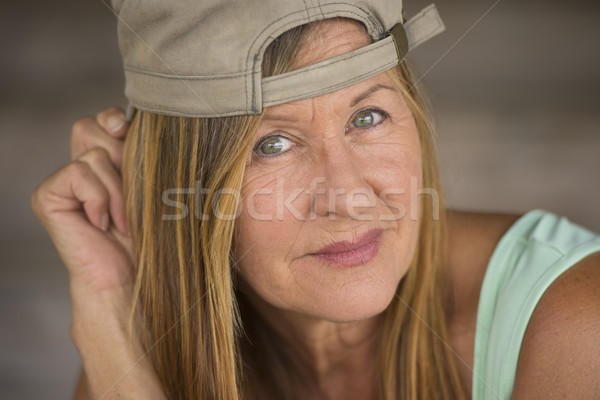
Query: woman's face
(325,226)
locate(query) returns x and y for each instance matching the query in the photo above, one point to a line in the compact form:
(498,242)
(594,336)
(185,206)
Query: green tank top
(529,257)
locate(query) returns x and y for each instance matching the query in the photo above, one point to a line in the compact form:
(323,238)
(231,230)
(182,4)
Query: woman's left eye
(368,118)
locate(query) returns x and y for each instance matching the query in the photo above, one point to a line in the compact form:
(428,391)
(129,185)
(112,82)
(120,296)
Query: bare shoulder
(474,235)
(472,239)
(560,353)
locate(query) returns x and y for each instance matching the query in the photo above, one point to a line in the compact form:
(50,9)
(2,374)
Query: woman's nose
(339,186)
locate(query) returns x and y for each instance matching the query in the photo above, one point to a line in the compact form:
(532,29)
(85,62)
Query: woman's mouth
(347,253)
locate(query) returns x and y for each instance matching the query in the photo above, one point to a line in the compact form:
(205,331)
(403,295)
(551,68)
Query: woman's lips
(351,253)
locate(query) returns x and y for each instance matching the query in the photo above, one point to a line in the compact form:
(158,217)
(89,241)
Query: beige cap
(202,58)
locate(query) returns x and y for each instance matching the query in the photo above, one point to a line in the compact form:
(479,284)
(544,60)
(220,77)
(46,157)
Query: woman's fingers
(75,206)
(106,131)
(91,183)
(113,121)
(101,164)
(87,134)
(71,189)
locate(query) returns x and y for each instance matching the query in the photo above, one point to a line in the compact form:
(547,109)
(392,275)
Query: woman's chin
(352,307)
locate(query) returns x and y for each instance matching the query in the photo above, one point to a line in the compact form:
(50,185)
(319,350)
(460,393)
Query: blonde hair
(201,344)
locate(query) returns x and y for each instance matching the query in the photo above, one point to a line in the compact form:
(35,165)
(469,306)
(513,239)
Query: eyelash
(383,114)
(262,141)
(257,146)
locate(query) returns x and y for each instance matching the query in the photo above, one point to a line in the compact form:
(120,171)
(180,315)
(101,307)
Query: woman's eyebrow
(369,92)
(284,118)
(357,99)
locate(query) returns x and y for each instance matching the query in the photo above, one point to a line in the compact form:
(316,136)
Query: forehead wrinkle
(283,118)
(293,112)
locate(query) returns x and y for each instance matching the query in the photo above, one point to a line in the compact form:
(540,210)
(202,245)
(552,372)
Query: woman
(303,251)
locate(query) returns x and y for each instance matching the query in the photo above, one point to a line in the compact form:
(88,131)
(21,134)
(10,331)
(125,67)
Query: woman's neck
(339,357)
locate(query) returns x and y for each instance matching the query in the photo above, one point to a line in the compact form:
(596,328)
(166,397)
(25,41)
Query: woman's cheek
(274,207)
(395,174)
(276,197)
(263,249)
(393,160)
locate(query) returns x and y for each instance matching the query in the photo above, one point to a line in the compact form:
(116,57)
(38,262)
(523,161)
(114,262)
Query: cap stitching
(306,9)
(162,109)
(191,77)
(321,8)
(318,11)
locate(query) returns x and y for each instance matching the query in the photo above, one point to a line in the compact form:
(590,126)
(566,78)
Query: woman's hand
(81,206)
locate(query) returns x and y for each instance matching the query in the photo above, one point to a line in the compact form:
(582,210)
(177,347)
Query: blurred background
(514,84)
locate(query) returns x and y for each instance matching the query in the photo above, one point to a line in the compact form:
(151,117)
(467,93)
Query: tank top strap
(536,249)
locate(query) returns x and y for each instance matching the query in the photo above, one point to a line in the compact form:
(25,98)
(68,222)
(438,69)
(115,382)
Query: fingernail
(104,222)
(116,122)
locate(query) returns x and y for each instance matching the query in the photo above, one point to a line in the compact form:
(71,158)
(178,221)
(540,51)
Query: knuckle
(81,172)
(97,155)
(39,201)
(82,127)
(78,169)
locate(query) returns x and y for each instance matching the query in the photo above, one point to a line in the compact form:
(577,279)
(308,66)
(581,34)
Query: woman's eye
(273,145)
(367,118)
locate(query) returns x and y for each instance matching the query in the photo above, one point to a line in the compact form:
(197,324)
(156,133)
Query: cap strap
(400,40)
(355,66)
(329,75)
(423,26)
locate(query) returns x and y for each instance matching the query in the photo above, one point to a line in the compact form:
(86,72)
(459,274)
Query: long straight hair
(202,337)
